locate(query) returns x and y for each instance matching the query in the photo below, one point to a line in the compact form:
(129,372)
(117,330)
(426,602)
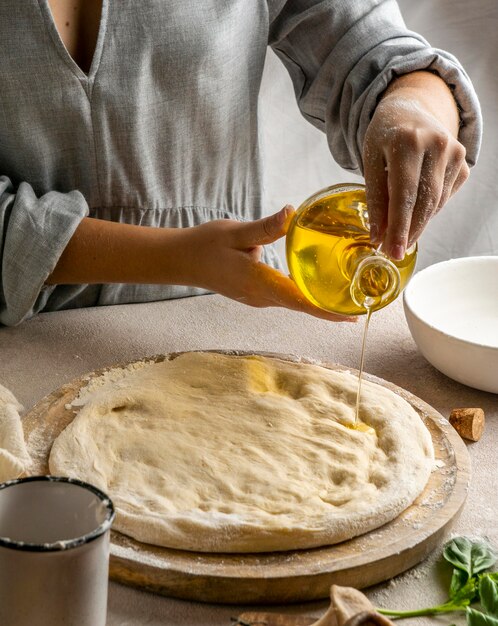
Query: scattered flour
(110,377)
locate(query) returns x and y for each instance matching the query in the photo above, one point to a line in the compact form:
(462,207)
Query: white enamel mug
(54,552)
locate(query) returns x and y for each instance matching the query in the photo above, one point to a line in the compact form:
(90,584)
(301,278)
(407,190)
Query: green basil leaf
(466,594)
(488,592)
(458,580)
(469,556)
(483,557)
(476,618)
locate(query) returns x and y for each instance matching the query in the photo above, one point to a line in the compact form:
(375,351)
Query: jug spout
(376,282)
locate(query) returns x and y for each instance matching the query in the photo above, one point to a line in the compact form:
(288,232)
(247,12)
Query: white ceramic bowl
(452,312)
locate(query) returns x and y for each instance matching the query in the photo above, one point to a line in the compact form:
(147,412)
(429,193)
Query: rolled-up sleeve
(341,56)
(33,234)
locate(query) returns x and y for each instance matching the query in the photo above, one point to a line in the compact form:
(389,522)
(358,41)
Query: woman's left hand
(413,161)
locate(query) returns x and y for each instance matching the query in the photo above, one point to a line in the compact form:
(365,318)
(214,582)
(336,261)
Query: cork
(469,423)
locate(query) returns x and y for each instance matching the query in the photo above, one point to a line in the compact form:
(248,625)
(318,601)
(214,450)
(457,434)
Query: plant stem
(434,610)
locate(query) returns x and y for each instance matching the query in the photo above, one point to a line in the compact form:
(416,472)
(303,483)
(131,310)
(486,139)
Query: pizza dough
(219,453)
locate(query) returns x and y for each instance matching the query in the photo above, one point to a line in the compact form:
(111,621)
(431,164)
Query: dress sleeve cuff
(36,233)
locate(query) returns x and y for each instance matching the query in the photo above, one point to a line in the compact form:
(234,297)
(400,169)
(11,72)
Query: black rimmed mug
(54,552)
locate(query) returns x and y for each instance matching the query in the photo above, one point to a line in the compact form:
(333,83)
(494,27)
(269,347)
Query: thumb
(265,230)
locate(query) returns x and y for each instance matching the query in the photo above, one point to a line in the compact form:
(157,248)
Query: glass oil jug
(332,260)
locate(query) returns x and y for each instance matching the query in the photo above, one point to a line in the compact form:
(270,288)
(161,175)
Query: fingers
(420,181)
(463,174)
(263,231)
(403,183)
(444,170)
(279,290)
(238,273)
(377,193)
(430,191)
(453,169)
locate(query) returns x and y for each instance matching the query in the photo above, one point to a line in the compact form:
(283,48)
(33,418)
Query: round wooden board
(280,577)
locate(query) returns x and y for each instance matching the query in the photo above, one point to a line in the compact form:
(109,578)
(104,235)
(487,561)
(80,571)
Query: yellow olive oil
(331,259)
(357,422)
(361,427)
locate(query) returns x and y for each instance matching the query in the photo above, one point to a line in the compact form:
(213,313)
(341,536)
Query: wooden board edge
(271,591)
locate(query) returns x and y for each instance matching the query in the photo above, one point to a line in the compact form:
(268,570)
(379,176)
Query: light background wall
(298,161)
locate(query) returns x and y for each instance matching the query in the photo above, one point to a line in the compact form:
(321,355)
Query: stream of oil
(362,363)
(358,424)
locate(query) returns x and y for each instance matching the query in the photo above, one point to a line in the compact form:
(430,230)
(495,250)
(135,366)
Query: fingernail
(286,215)
(398,252)
(281,216)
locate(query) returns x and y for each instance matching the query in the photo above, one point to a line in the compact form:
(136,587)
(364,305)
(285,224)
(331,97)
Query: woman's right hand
(225,256)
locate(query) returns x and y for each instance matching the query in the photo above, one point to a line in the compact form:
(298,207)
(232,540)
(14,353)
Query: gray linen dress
(163,131)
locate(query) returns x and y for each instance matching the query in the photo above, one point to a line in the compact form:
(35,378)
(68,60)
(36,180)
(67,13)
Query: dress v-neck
(63,51)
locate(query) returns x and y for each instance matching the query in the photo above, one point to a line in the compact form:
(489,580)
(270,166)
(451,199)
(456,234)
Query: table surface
(54,348)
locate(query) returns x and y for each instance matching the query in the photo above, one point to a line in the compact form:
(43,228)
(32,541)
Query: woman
(118,117)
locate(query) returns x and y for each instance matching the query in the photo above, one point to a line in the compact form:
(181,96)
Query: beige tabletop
(53,348)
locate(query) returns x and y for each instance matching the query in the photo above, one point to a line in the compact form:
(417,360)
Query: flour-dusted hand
(225,257)
(413,160)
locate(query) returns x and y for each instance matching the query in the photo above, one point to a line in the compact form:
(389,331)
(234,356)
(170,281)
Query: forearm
(110,252)
(429,91)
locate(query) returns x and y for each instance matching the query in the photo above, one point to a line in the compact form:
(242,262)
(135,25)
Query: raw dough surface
(218,453)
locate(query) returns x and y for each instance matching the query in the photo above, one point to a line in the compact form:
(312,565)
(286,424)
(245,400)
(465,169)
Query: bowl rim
(427,270)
